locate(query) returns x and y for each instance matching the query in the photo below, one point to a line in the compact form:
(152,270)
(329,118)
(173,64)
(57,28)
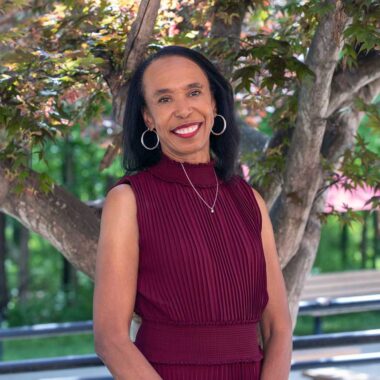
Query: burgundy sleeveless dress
(201,286)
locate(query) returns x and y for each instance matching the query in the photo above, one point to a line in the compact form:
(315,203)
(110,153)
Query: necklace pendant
(216,196)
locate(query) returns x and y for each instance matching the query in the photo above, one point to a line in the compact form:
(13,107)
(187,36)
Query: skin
(117,268)
(177,104)
(276,325)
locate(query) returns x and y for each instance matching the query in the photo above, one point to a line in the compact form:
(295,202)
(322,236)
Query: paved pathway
(365,372)
(368,371)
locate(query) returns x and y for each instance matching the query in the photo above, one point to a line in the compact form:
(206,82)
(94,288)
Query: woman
(185,242)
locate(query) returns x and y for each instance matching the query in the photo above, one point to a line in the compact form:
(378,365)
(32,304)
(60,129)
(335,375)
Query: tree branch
(227,33)
(346,84)
(138,38)
(140,34)
(302,166)
(67,223)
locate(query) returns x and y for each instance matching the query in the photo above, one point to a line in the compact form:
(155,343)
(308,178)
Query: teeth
(183,131)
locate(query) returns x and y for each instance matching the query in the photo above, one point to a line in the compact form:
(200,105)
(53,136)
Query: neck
(201,174)
(192,159)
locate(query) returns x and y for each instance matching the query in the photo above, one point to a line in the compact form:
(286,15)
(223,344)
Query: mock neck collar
(170,170)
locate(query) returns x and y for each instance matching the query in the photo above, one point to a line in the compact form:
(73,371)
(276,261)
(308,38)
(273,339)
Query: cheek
(162,108)
(209,108)
(210,114)
(161,116)
(155,112)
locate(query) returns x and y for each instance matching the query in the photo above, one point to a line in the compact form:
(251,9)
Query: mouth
(187,130)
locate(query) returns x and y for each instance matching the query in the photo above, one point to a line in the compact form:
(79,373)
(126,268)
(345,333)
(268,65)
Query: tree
(316,64)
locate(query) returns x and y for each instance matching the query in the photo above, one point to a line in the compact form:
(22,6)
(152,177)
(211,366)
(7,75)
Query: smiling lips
(187,130)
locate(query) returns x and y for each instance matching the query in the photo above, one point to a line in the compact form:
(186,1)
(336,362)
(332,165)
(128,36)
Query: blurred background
(64,70)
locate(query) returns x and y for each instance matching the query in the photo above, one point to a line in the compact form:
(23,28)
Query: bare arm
(276,325)
(115,288)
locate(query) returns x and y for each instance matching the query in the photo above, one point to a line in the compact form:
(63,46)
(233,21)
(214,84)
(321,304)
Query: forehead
(172,72)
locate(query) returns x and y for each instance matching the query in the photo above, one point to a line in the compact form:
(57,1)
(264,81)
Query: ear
(148,119)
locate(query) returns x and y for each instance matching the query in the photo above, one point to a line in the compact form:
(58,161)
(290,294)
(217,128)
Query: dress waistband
(204,344)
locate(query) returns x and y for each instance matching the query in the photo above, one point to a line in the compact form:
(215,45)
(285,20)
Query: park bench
(341,292)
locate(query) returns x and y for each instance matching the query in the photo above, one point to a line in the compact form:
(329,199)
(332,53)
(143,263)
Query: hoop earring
(142,140)
(224,126)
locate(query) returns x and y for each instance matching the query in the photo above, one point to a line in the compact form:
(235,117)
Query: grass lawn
(48,347)
(339,323)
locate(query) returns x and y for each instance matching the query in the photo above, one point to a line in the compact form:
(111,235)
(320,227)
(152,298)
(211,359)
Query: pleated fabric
(202,285)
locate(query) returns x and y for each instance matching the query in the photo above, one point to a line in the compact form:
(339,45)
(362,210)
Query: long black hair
(224,148)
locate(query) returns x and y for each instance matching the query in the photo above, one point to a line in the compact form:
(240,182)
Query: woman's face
(180,107)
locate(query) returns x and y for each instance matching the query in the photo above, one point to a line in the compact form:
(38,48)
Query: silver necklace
(217,189)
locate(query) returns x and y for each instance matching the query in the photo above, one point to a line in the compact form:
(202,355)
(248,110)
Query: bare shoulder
(260,200)
(121,192)
(121,198)
(118,238)
(119,216)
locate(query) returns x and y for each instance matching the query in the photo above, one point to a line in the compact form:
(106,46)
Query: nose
(183,109)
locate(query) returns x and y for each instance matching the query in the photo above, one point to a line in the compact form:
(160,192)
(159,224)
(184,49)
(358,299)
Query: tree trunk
(299,267)
(340,135)
(303,163)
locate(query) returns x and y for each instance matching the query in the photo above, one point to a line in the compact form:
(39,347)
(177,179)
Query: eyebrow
(168,90)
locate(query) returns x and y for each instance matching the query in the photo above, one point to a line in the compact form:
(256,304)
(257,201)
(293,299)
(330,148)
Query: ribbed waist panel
(204,344)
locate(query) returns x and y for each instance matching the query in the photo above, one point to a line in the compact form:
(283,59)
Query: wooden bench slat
(343,281)
(332,373)
(345,274)
(339,292)
(342,284)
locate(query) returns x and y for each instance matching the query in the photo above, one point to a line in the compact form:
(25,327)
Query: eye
(163,100)
(195,93)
